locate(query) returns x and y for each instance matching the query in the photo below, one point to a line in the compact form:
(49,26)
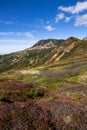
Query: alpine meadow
(43,65)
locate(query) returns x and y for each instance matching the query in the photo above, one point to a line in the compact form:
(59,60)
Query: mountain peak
(48,43)
(72,39)
(85,39)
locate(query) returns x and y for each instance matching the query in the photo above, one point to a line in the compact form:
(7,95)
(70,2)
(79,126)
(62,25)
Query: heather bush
(34,93)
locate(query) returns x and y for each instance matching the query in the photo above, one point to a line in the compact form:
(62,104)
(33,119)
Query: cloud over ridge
(79,7)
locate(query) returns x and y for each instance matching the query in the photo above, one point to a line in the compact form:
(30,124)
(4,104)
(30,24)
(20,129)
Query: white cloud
(48,22)
(6,33)
(8,22)
(24,34)
(9,46)
(67,19)
(7,41)
(79,7)
(28,35)
(62,16)
(81,20)
(49,28)
(18,33)
(66,9)
(59,17)
(75,11)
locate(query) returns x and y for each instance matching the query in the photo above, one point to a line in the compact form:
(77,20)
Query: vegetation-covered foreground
(45,87)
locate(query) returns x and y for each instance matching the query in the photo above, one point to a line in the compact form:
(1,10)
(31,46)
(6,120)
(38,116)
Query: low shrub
(76,96)
(14,96)
(35,93)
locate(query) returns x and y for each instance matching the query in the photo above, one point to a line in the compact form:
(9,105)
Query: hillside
(45,51)
(45,87)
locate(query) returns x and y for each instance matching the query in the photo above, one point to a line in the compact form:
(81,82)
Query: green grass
(34,94)
(69,70)
(76,96)
(72,79)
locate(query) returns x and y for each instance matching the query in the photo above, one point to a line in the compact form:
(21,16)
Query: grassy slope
(25,58)
(72,68)
(63,85)
(32,58)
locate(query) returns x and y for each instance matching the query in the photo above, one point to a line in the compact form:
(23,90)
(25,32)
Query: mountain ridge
(43,52)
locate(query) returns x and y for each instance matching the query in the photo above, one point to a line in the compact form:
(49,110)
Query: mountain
(48,43)
(43,52)
(85,38)
(45,87)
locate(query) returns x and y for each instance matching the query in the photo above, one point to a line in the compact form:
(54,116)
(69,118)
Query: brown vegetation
(24,108)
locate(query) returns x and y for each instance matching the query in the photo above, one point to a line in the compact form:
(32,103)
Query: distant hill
(45,52)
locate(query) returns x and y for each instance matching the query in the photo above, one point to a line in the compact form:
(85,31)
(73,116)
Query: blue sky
(24,22)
